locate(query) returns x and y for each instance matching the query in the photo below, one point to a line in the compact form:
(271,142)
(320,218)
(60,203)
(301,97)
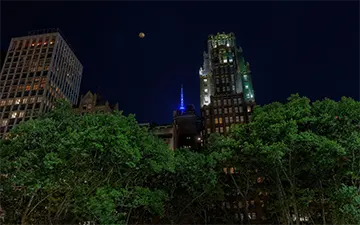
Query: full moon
(141,35)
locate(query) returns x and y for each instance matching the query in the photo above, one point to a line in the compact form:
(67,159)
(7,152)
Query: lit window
(246,86)
(236,109)
(249,109)
(227,129)
(4,123)
(24,100)
(10,102)
(230,60)
(21,114)
(225,102)
(253,216)
(226,119)
(217,130)
(13,114)
(220,120)
(233,87)
(237,118)
(17,101)
(205,80)
(225,60)
(2,102)
(216,121)
(227,44)
(242,118)
(39,99)
(225,171)
(209,130)
(235,101)
(221,130)
(225,110)
(231,170)
(206,90)
(32,99)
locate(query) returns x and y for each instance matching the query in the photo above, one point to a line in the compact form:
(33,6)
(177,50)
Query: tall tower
(182,106)
(226,91)
(38,69)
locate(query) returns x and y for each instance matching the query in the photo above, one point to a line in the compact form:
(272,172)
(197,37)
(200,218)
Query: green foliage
(346,205)
(304,150)
(66,168)
(80,165)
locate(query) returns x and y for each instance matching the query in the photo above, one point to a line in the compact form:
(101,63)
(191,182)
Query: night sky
(311,48)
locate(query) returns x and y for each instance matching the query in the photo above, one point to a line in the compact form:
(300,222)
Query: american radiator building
(38,69)
(226,91)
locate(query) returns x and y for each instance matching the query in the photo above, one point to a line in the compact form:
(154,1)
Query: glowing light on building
(182,107)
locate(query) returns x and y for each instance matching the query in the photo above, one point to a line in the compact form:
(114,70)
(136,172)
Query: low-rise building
(93,102)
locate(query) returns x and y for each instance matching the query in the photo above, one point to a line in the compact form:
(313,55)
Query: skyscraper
(226,91)
(38,69)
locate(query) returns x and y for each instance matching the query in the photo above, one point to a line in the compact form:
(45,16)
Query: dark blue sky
(307,47)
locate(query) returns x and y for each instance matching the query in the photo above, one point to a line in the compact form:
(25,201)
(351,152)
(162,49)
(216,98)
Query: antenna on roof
(182,107)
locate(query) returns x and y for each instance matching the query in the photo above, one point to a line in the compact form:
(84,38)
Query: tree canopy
(308,154)
(301,158)
(67,168)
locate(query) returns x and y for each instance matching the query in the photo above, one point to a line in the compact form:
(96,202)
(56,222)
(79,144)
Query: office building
(38,69)
(165,132)
(187,126)
(184,131)
(226,91)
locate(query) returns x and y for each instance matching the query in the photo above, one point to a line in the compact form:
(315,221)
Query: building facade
(187,126)
(184,131)
(226,92)
(38,69)
(227,97)
(166,133)
(92,102)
